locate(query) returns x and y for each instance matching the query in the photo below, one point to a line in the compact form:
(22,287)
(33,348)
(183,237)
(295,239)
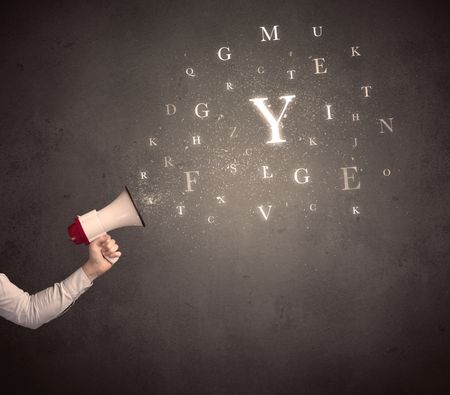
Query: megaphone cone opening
(135,207)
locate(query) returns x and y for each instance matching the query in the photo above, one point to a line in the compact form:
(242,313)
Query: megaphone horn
(119,213)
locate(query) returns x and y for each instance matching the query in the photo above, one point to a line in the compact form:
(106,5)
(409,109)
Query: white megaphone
(121,212)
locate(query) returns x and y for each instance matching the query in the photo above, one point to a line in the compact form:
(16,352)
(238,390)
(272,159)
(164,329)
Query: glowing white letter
(305,177)
(266,216)
(205,111)
(347,177)
(274,32)
(259,102)
(190,180)
(227,55)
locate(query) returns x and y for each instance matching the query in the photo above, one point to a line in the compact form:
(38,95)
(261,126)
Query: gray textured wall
(314,303)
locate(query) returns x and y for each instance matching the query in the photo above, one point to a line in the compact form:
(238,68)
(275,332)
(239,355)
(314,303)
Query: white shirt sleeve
(32,311)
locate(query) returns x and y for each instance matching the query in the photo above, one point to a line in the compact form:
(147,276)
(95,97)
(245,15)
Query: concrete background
(305,303)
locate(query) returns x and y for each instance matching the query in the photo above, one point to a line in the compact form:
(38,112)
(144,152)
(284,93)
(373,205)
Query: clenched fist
(98,248)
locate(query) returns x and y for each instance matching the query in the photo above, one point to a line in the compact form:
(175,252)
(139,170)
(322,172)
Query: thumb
(99,241)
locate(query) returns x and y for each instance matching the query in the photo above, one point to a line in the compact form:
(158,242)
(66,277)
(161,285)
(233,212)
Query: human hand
(98,248)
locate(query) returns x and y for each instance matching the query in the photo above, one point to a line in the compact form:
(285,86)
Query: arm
(32,311)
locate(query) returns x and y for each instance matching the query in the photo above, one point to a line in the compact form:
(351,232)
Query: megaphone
(119,213)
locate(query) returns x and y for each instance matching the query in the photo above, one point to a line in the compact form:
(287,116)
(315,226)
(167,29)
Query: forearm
(35,310)
(44,306)
(32,311)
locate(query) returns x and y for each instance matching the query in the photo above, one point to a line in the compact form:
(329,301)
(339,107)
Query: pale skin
(96,265)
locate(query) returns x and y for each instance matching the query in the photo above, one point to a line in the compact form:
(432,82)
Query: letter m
(266,34)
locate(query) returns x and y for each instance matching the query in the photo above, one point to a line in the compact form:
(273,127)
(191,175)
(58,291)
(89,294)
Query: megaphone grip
(112,261)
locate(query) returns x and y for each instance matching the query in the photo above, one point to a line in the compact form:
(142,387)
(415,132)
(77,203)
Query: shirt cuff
(77,283)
